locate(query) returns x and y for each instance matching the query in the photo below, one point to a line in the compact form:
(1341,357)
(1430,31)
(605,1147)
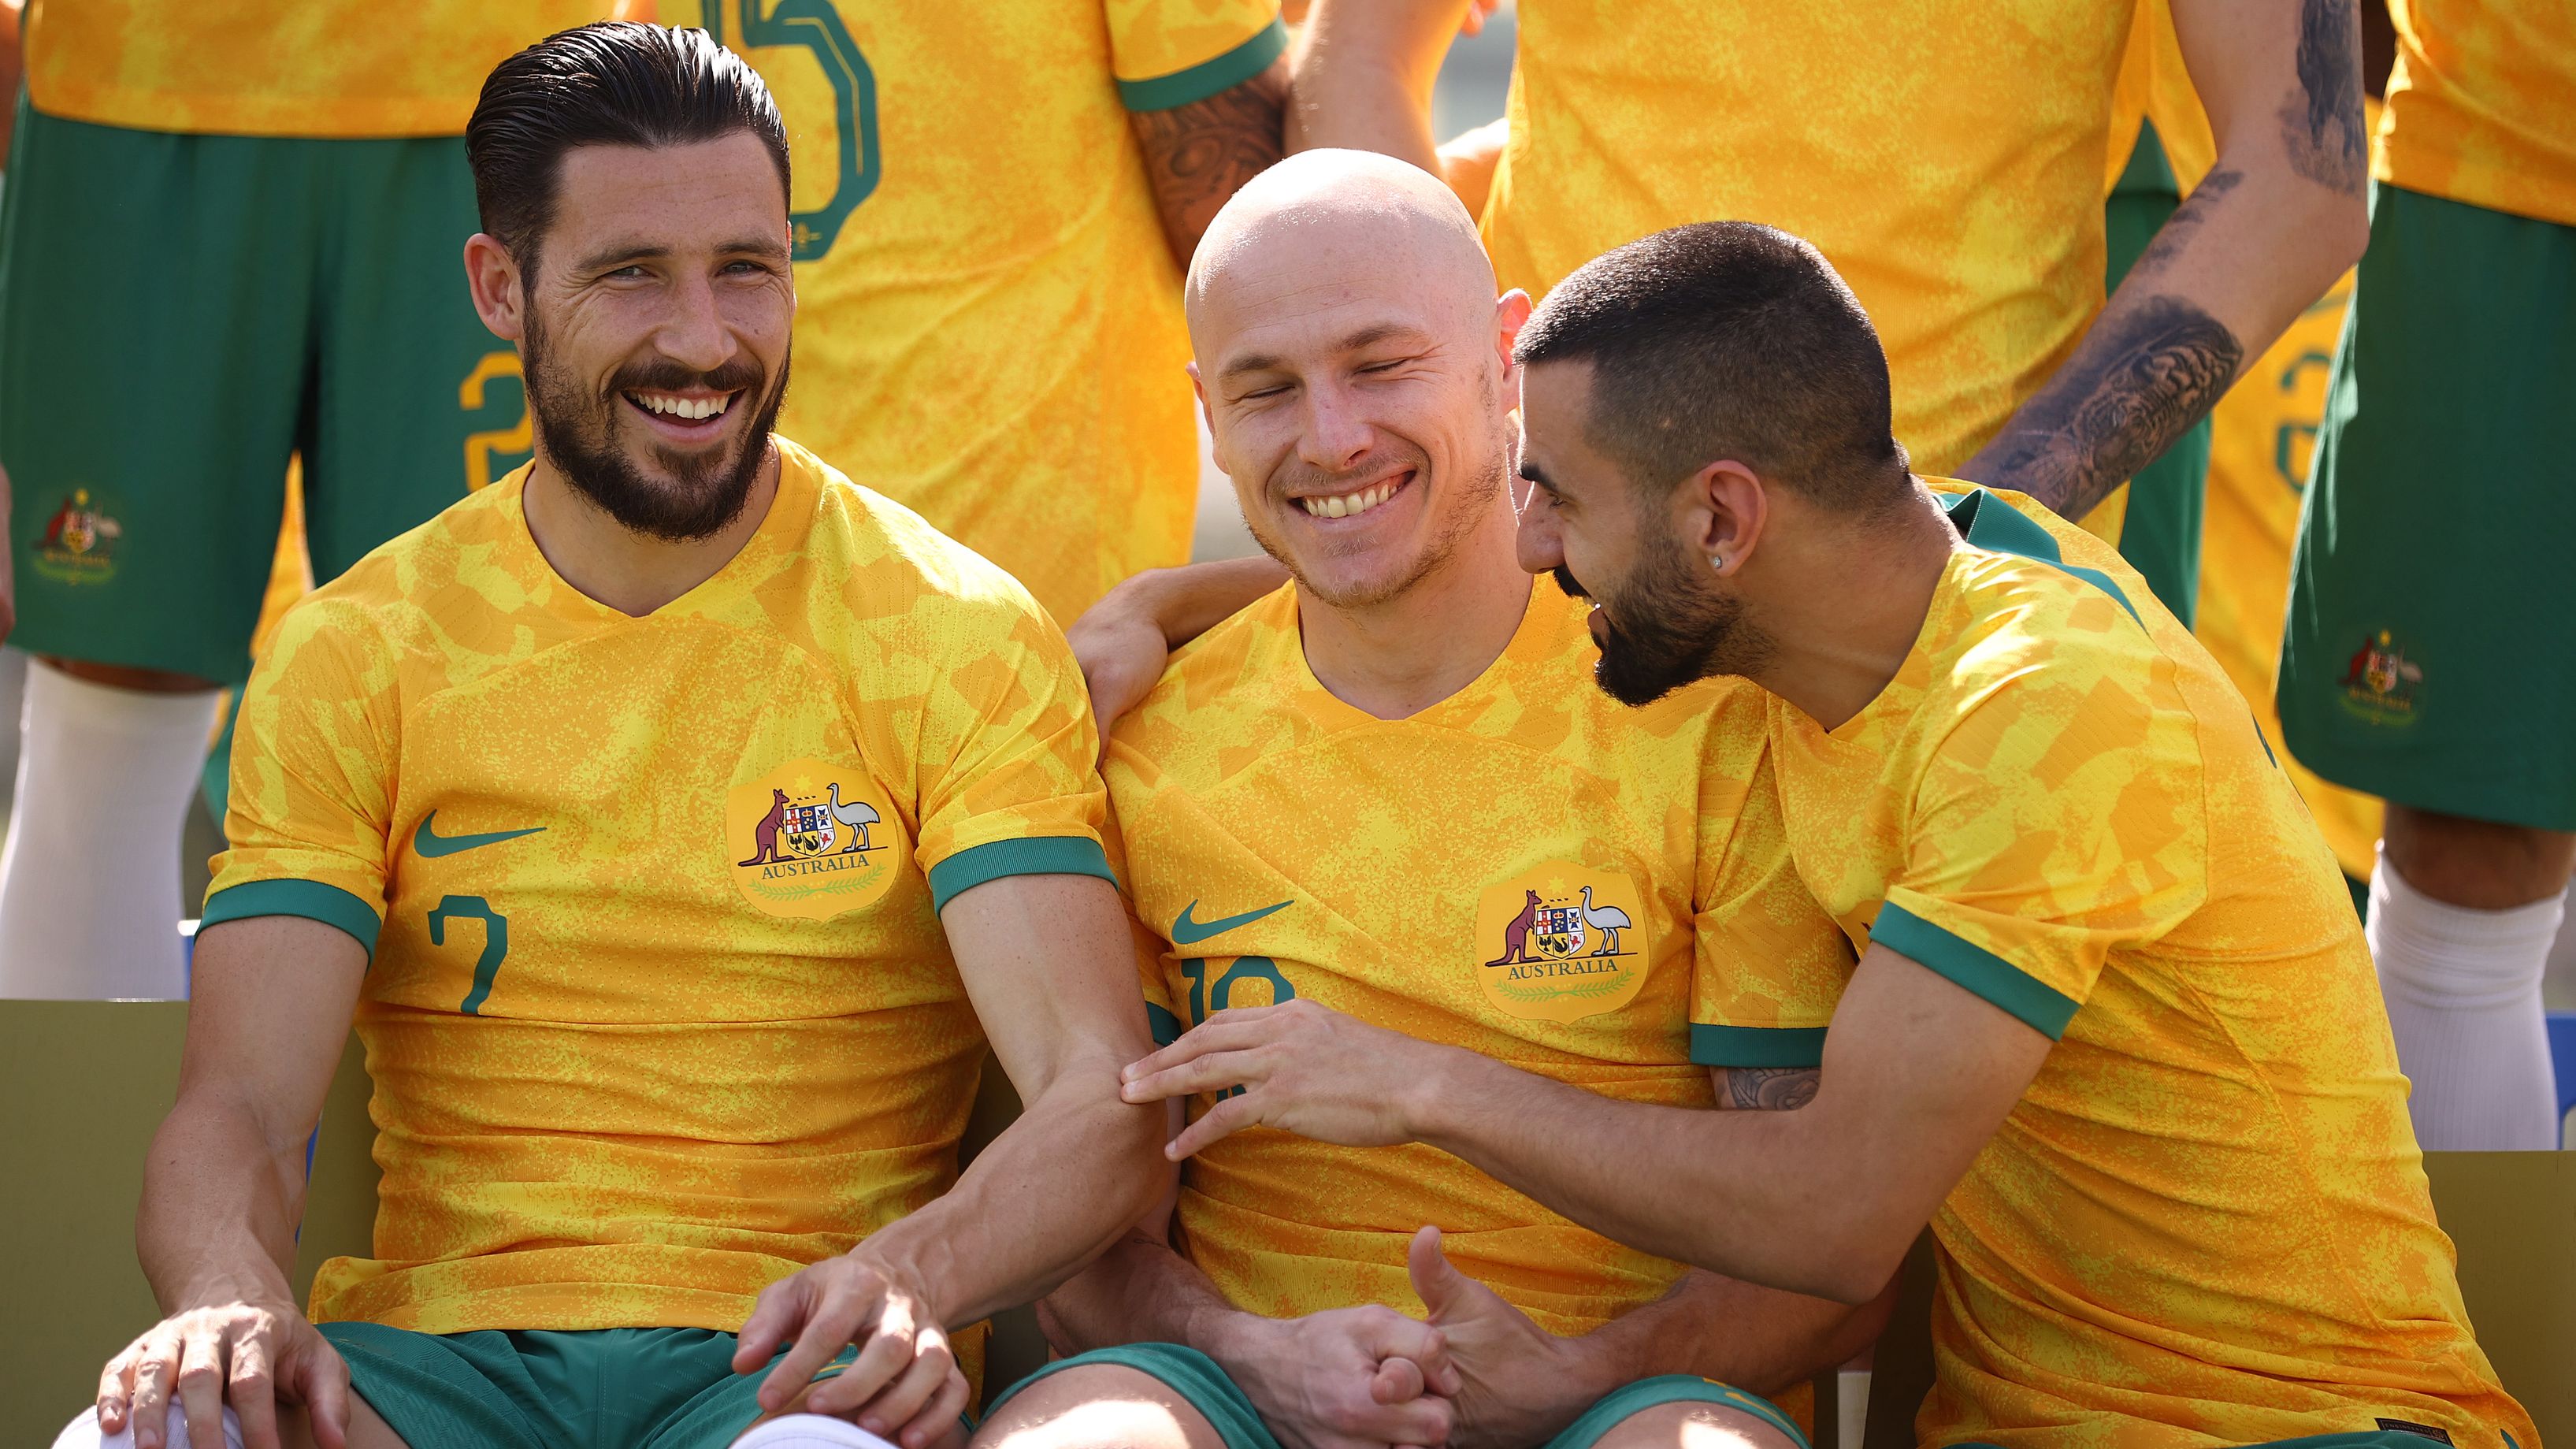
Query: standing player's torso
(2208,1208)
(989,325)
(283,67)
(660,1006)
(1428,875)
(2482,106)
(1946,159)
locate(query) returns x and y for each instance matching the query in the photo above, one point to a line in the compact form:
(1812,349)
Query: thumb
(1444,1290)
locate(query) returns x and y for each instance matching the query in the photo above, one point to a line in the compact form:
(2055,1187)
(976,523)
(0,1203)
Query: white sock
(82,1433)
(89,879)
(810,1431)
(2463,992)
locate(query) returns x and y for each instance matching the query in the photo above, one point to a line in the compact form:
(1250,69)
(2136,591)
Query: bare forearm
(1140,1291)
(1018,1223)
(1197,155)
(1188,601)
(1714,1327)
(2264,234)
(1365,70)
(1746,1194)
(220,1205)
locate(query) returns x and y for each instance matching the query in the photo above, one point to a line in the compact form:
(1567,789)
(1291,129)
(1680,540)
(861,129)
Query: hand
(1304,1068)
(1122,651)
(1473,22)
(1519,1383)
(1350,1378)
(904,1373)
(243,1355)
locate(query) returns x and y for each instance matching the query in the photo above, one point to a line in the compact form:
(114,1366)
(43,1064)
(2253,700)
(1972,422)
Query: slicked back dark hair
(614,83)
(1720,340)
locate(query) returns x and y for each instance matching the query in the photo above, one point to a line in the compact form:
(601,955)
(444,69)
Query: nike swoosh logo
(433,845)
(1186,932)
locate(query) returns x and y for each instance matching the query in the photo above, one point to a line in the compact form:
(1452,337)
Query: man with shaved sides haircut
(2112,1030)
(677,820)
(1381,807)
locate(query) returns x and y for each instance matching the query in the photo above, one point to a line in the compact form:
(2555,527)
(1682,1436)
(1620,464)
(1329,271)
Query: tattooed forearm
(1771,1089)
(2148,371)
(2185,223)
(2321,122)
(1196,155)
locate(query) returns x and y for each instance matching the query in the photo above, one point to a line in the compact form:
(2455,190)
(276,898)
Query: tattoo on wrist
(1772,1089)
(2148,372)
(2322,121)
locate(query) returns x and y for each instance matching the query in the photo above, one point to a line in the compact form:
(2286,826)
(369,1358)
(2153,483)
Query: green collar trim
(1998,527)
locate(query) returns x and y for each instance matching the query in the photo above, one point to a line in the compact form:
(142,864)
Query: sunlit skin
(676,258)
(1842,598)
(1382,389)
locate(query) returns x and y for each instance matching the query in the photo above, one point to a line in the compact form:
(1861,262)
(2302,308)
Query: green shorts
(2160,532)
(1196,1377)
(610,1388)
(2432,615)
(178,315)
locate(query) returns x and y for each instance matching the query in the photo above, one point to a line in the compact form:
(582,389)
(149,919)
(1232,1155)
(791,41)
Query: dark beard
(1665,633)
(702,496)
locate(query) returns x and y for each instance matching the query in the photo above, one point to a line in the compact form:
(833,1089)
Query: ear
(1721,513)
(492,277)
(1198,386)
(1511,313)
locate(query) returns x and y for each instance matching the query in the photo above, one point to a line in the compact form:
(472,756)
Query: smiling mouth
(1346,505)
(681,410)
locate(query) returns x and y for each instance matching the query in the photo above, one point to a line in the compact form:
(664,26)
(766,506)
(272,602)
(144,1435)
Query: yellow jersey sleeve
(311,796)
(1009,784)
(1162,1013)
(1169,53)
(1767,963)
(2058,817)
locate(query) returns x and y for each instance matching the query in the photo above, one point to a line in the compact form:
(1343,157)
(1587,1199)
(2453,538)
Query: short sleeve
(1008,782)
(313,750)
(1768,963)
(1169,53)
(2059,818)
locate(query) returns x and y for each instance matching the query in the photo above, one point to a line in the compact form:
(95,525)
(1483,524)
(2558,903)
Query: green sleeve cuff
(1757,1046)
(1167,1027)
(1037,855)
(1181,87)
(310,899)
(2038,1005)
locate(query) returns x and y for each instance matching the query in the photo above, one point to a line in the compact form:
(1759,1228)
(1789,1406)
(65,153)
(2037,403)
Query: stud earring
(1717,561)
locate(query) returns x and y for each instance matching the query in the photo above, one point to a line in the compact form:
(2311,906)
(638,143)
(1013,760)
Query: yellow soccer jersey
(659,1009)
(283,67)
(2482,105)
(1967,216)
(2260,439)
(988,317)
(2207,1221)
(1526,869)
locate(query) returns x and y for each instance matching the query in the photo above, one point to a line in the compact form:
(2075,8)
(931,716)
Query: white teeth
(1343,505)
(690,408)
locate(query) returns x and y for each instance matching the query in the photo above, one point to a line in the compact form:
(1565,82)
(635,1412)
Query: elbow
(2344,233)
(1854,1263)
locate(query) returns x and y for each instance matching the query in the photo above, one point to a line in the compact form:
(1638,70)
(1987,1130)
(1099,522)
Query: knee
(2478,864)
(1097,1406)
(1694,1426)
(83,1432)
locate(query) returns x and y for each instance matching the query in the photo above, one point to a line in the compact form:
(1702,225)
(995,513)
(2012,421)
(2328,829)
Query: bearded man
(676,819)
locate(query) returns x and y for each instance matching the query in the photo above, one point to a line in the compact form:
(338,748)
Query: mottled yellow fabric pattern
(2482,107)
(1429,875)
(2206,1222)
(988,316)
(1947,159)
(284,67)
(637,1050)
(2260,439)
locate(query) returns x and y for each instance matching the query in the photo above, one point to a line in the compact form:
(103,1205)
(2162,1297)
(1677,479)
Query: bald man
(1385,801)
